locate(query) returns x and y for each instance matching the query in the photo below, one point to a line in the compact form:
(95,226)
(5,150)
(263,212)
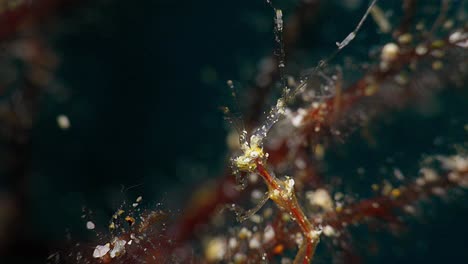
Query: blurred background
(104,101)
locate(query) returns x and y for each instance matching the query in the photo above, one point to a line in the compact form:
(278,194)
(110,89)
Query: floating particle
(268,212)
(319,151)
(256,219)
(118,249)
(329,231)
(438,53)
(254,243)
(405,38)
(90,225)
(398,174)
(232,243)
(139,199)
(101,250)
(409,209)
(256,195)
(299,239)
(429,175)
(396,193)
(130,220)
(456,162)
(421,50)
(268,234)
(437,44)
(448,24)
(118,213)
(390,52)
(371,89)
(244,233)
(278,249)
(63,122)
(420,26)
(338,196)
(215,249)
(437,65)
(320,198)
(253,177)
(459,38)
(438,191)
(387,188)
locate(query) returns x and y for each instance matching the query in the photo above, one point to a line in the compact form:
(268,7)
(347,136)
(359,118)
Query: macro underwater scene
(261,131)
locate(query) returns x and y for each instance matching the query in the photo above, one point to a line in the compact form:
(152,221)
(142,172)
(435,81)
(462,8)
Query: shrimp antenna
(345,42)
(235,118)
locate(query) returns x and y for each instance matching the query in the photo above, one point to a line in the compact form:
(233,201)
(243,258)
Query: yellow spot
(405,38)
(437,65)
(370,90)
(319,151)
(396,193)
(339,209)
(438,44)
(375,187)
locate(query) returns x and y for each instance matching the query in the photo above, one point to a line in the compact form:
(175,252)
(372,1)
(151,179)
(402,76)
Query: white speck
(232,243)
(119,248)
(297,120)
(135,204)
(320,198)
(139,199)
(300,163)
(90,225)
(398,174)
(254,243)
(460,39)
(421,50)
(256,219)
(298,239)
(63,122)
(429,175)
(458,163)
(101,250)
(253,177)
(269,234)
(329,231)
(409,209)
(256,195)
